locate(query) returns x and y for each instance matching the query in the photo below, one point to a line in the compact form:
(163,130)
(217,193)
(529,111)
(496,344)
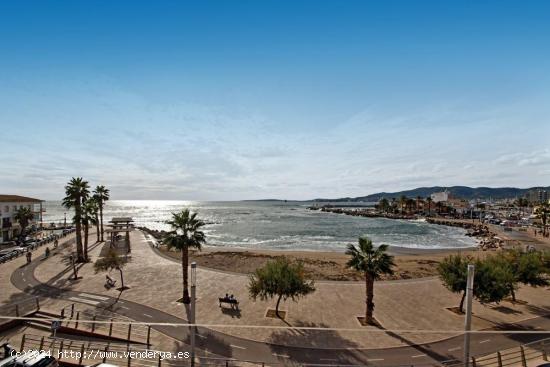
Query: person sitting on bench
(110,282)
(231,300)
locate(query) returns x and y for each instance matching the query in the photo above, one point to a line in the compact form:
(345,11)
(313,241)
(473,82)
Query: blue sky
(227,100)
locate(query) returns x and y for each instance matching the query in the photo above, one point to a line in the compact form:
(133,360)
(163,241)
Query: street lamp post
(65,222)
(468,320)
(193,305)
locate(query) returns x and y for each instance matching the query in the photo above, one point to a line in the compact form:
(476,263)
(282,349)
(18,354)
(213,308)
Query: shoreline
(319,265)
(326,265)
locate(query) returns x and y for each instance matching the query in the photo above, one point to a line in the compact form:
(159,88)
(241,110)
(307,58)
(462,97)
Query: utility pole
(468,320)
(193,313)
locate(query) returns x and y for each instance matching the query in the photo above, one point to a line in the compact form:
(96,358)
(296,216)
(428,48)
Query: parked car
(12,250)
(10,358)
(8,244)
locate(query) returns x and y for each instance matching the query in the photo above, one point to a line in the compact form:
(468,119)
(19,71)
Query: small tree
(280,279)
(453,272)
(493,279)
(111,262)
(23,215)
(545,257)
(525,267)
(491,282)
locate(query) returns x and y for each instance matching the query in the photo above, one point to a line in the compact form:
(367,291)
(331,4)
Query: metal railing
(108,324)
(512,356)
(20,308)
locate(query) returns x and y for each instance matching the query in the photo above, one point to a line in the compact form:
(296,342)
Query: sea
(278,225)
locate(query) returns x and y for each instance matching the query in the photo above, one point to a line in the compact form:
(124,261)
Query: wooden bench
(232,302)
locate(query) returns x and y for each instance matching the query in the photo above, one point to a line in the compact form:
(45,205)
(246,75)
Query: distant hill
(463,192)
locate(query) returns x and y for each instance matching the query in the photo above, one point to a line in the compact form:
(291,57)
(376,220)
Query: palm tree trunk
(97,226)
(121,279)
(101,217)
(184,266)
(79,250)
(86,229)
(370,295)
(513,293)
(277,306)
(461,306)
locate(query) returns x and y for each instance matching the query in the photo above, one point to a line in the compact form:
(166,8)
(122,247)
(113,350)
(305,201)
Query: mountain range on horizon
(462,192)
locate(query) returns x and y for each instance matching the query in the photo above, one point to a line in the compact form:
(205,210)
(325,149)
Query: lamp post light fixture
(193,313)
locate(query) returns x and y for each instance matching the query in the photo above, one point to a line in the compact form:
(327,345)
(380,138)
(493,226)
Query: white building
(9,204)
(537,196)
(440,196)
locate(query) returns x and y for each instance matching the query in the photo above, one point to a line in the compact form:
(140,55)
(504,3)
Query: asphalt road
(228,346)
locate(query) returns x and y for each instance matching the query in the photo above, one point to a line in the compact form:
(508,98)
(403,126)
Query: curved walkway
(234,347)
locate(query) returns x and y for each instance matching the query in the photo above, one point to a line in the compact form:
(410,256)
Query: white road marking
(280,355)
(82,300)
(93,296)
(147,315)
(124,307)
(418,356)
(236,346)
(484,341)
(453,349)
(327,359)
(202,336)
(374,359)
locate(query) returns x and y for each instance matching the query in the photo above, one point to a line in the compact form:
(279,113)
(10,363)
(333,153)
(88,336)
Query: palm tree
(76,191)
(89,215)
(429,200)
(521,203)
(186,232)
(543,212)
(102,195)
(410,204)
(23,215)
(95,216)
(373,262)
(439,207)
(418,200)
(383,205)
(402,202)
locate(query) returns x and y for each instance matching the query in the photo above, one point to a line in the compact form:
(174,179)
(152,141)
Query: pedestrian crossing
(89,299)
(101,298)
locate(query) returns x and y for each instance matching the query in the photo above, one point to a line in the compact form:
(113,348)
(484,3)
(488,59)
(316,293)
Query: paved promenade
(404,305)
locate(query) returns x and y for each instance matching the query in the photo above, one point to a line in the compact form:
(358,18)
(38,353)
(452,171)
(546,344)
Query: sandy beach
(331,266)
(318,265)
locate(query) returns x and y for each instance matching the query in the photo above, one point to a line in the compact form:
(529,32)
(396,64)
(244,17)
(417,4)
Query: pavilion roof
(118,230)
(121,219)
